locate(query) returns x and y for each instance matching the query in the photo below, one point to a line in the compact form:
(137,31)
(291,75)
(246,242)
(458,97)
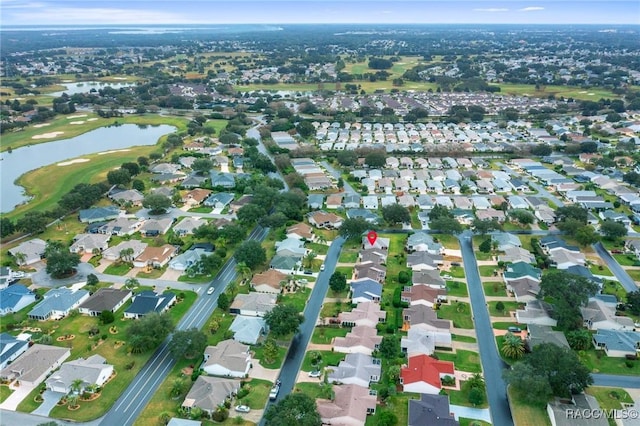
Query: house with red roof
(423,374)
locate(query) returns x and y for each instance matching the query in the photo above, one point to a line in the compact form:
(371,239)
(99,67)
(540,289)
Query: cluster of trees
(442,220)
(148,332)
(567,292)
(60,261)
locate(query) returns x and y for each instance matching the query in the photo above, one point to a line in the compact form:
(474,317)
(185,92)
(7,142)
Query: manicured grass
(508,308)
(317,248)
(201,209)
(398,404)
(332,309)
(634,274)
(315,390)
(608,365)
(461,397)
(277,362)
(4,392)
(118,268)
(626,259)
(487,270)
(494,288)
(298,299)
(457,272)
(615,288)
(257,397)
(610,398)
(600,270)
(153,274)
(325,335)
(457,289)
(345,270)
(328,358)
(196,279)
(472,422)
(525,414)
(458,312)
(48,184)
(464,360)
(348,256)
(224,320)
(466,339)
(448,241)
(592,94)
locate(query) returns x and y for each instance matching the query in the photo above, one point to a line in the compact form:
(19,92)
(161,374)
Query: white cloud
(92,16)
(531,9)
(492,10)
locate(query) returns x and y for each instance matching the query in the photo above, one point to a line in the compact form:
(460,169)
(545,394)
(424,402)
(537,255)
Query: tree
(250,213)
(633,302)
(387,418)
(223,301)
(337,282)
(476,397)
(7,227)
(92,279)
(148,332)
(527,383)
(32,223)
(485,226)
(243,271)
(132,168)
(394,214)
(138,185)
(76,386)
(571,226)
(523,216)
(542,150)
(353,228)
(251,253)
(107,317)
(572,211)
(60,261)
(569,292)
(389,348)
(131,283)
(295,409)
(177,388)
(585,235)
(270,350)
(202,166)
(187,343)
(305,129)
(283,319)
(485,246)
(446,225)
(156,203)
(613,230)
(309,258)
(512,346)
(347,157)
(499,306)
(118,177)
(376,158)
(579,340)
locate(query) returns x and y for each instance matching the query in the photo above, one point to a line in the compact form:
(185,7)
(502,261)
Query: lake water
(25,159)
(87,86)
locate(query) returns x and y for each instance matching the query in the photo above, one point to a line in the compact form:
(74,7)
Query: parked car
(616,251)
(211,290)
(273,393)
(242,408)
(447,277)
(322,267)
(315,373)
(513,329)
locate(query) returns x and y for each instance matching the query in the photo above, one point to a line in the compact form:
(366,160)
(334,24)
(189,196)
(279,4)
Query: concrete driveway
(471,413)
(51,398)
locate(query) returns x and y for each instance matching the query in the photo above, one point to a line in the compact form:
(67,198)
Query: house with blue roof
(365,290)
(57,303)
(147,302)
(11,348)
(521,270)
(248,329)
(225,180)
(505,240)
(219,200)
(617,343)
(15,298)
(98,214)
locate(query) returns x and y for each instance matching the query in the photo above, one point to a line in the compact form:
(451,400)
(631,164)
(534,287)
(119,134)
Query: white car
(211,290)
(322,267)
(242,408)
(316,374)
(447,277)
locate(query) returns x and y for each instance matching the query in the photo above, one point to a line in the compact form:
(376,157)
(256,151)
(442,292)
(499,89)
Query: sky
(143,12)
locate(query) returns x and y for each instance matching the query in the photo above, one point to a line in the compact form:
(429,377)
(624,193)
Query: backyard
(459,313)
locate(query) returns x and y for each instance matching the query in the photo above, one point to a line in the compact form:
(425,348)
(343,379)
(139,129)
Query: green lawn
(448,241)
(506,325)
(4,392)
(608,365)
(457,272)
(508,308)
(223,320)
(318,248)
(487,270)
(525,414)
(458,312)
(626,259)
(464,360)
(324,335)
(118,268)
(494,288)
(277,362)
(610,398)
(332,309)
(258,395)
(348,256)
(315,390)
(457,289)
(634,274)
(472,422)
(346,271)
(298,299)
(398,404)
(201,209)
(196,279)
(328,358)
(615,288)
(591,94)
(154,274)
(461,397)
(600,270)
(467,339)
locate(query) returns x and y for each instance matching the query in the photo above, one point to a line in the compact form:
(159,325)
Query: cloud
(92,16)
(492,10)
(531,9)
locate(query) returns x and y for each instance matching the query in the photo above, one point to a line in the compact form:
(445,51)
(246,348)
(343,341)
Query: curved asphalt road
(492,364)
(131,403)
(622,276)
(293,362)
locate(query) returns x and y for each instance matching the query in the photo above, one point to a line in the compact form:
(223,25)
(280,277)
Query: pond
(25,159)
(87,86)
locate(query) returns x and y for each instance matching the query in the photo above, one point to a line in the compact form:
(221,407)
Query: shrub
(628,363)
(221,415)
(104,337)
(403,277)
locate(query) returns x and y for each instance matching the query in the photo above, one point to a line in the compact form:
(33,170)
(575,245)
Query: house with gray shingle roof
(187,225)
(228,358)
(57,303)
(421,241)
(28,252)
(209,393)
(247,329)
(357,369)
(147,302)
(35,364)
(538,334)
(91,371)
(219,200)
(11,348)
(253,304)
(433,410)
(87,243)
(105,299)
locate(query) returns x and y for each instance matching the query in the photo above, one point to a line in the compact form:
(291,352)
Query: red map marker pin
(372,236)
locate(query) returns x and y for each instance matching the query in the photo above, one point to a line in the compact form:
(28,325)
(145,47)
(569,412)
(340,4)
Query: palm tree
(232,288)
(243,270)
(513,346)
(309,258)
(321,239)
(72,400)
(76,386)
(21,258)
(476,381)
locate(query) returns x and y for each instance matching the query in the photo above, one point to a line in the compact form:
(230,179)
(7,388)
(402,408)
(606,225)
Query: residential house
(253,304)
(105,299)
(236,205)
(427,277)
(423,295)
(582,403)
(187,225)
(490,214)
(89,243)
(421,241)
(520,270)
(28,252)
(524,289)
(321,219)
(117,252)
(219,200)
(538,334)
(536,312)
(315,201)
(300,231)
(228,358)
(209,393)
(334,201)
(224,180)
(352,201)
(269,281)
(155,227)
(121,226)
(617,343)
(127,196)
(365,313)
(57,303)
(369,270)
(562,258)
(364,290)
(370,202)
(248,330)
(291,247)
(425,318)
(349,407)
(98,214)
(356,369)
(421,260)
(183,261)
(93,371)
(35,364)
(424,374)
(195,197)
(147,302)
(365,214)
(504,240)
(15,298)
(633,246)
(155,257)
(374,255)
(361,339)
(418,341)
(599,315)
(516,254)
(11,348)
(286,264)
(432,410)
(381,243)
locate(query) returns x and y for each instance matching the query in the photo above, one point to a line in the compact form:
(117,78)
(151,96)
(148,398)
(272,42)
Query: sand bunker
(77,160)
(112,152)
(70,117)
(590,94)
(77,122)
(119,78)
(37,126)
(47,135)
(92,119)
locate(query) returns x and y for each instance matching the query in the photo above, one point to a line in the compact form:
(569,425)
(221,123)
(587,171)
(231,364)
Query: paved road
(131,403)
(293,362)
(492,364)
(542,191)
(622,276)
(616,381)
(254,133)
(336,174)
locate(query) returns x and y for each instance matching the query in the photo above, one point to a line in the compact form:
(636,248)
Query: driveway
(471,413)
(51,398)
(19,393)
(259,372)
